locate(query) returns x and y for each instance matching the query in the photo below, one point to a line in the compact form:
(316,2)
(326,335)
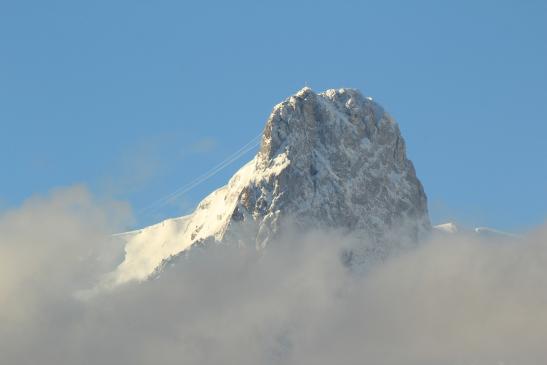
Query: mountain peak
(307,115)
(304,91)
(331,160)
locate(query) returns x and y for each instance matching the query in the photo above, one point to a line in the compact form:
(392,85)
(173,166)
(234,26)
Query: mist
(454,299)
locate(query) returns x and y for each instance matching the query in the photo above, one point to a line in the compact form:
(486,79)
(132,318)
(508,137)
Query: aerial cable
(202,178)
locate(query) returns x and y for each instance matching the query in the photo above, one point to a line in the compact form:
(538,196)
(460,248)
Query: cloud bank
(452,300)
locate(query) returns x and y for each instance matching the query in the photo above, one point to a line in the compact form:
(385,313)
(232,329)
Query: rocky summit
(332,160)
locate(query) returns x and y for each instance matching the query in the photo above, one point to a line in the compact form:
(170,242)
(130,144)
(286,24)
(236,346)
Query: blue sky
(136,98)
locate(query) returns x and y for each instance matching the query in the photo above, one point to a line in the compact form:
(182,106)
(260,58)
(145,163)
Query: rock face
(332,160)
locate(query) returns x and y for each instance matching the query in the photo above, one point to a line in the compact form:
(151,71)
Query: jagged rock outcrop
(333,160)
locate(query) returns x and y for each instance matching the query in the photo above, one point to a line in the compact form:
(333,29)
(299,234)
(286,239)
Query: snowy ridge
(453,228)
(330,160)
(449,227)
(148,247)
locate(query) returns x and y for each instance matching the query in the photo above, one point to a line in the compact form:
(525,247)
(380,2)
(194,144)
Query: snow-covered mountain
(453,228)
(330,160)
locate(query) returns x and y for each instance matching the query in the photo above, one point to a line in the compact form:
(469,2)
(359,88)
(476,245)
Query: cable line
(202,178)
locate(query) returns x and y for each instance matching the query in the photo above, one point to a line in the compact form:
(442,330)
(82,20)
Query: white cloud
(204,145)
(453,300)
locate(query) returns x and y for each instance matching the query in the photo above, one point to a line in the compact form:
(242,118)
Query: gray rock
(347,170)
